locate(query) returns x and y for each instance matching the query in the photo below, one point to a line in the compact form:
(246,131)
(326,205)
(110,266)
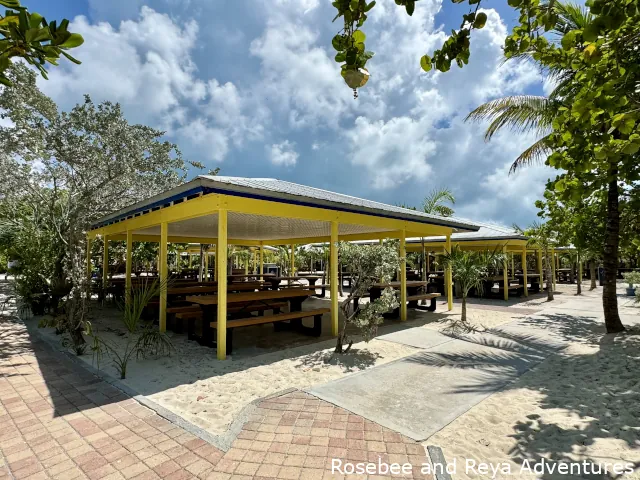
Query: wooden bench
(324,287)
(424,296)
(238,310)
(519,289)
(295,319)
(356,300)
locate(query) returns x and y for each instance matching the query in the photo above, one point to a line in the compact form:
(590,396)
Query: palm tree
(470,269)
(435,202)
(531,113)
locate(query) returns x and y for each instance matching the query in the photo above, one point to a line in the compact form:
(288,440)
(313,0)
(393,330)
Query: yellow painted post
(246,266)
(403,276)
(539,259)
(505,274)
(333,252)
(190,260)
(127,281)
(164,275)
(254,266)
(524,270)
(105,262)
(215,270)
(261,259)
(513,265)
(221,267)
(89,268)
(448,277)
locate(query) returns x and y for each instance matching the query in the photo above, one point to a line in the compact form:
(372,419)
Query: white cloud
(144,64)
(212,141)
(283,154)
(392,152)
(405,130)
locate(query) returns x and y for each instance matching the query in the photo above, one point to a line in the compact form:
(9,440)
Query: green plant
(632,278)
(141,339)
(470,269)
(369,264)
(435,202)
(29,36)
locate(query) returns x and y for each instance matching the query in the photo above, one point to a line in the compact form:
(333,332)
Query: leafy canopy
(29,36)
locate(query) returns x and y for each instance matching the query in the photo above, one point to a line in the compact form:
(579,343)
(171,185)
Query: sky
(251,87)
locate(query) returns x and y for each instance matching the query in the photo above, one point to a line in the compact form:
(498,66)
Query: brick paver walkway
(59,421)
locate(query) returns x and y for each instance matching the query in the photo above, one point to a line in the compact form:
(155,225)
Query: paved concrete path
(421,394)
(59,421)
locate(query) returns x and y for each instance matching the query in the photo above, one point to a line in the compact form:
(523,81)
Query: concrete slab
(419,395)
(416,337)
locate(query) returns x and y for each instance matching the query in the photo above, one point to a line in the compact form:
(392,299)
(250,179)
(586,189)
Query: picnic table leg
(432,306)
(410,292)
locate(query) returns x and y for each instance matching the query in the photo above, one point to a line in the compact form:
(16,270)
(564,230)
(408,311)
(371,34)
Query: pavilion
(487,237)
(256,212)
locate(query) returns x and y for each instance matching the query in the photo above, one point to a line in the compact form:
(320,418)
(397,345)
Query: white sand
(582,404)
(211,393)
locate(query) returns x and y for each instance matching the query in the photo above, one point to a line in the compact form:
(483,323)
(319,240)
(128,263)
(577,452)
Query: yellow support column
(333,252)
(524,271)
(127,280)
(190,260)
(221,267)
(513,265)
(164,275)
(215,271)
(293,259)
(261,259)
(89,268)
(539,260)
(246,266)
(403,276)
(448,278)
(105,262)
(505,274)
(254,265)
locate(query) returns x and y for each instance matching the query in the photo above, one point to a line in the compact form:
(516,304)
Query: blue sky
(250,86)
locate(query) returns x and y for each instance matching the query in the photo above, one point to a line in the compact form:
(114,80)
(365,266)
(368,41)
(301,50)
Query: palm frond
(571,16)
(535,154)
(434,202)
(519,113)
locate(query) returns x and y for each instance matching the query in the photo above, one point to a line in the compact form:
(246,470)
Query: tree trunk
(578,276)
(463,317)
(340,290)
(592,274)
(549,272)
(610,260)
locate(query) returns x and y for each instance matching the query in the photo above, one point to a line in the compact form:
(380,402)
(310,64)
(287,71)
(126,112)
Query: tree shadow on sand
(599,389)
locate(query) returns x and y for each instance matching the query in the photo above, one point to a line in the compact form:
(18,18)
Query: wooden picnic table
(414,287)
(199,289)
(246,303)
(275,281)
(396,285)
(532,278)
(294,295)
(235,276)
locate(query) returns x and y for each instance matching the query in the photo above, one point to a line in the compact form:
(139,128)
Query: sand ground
(581,404)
